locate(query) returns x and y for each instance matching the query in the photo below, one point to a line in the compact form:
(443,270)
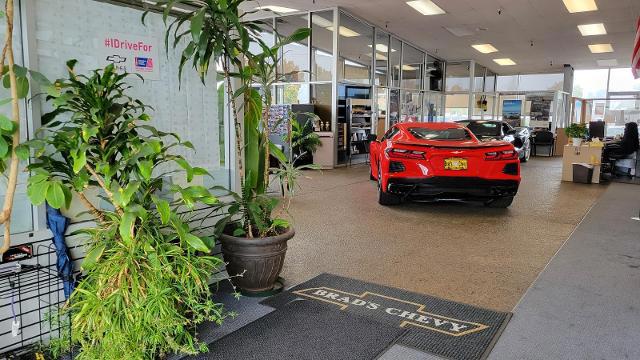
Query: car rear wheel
(385,198)
(371,177)
(500,203)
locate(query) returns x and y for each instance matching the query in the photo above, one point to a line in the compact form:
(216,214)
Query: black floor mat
(441,327)
(304,330)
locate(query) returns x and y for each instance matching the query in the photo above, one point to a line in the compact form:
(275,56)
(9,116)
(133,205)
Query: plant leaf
(55,195)
(126,226)
(93,256)
(163,209)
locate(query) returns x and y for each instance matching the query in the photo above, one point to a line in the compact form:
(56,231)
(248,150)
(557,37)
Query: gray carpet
(305,330)
(586,303)
(438,326)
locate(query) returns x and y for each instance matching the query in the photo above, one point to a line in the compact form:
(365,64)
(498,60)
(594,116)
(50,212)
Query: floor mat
(441,327)
(305,330)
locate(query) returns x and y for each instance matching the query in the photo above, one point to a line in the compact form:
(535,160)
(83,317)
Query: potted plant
(576,132)
(254,239)
(303,139)
(145,286)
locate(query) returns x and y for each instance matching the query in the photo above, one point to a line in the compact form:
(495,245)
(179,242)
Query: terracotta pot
(260,259)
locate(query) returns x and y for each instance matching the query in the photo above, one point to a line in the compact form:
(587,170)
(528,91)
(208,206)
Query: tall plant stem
(92,209)
(239,137)
(105,188)
(5,217)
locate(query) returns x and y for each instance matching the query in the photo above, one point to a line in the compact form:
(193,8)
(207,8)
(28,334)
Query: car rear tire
(371,177)
(385,198)
(500,203)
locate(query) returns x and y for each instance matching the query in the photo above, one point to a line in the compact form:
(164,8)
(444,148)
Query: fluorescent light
(382,48)
(607,63)
(504,62)
(485,48)
(378,56)
(592,29)
(276,9)
(426,7)
(600,48)
(354,64)
(345,31)
(406,67)
(575,6)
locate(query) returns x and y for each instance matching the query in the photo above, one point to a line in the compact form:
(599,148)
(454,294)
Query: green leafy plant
(218,33)
(304,140)
(145,275)
(16,79)
(576,131)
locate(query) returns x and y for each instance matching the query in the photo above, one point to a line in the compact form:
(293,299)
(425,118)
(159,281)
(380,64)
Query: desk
(581,154)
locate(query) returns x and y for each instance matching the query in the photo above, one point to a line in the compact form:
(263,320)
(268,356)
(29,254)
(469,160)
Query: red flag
(635,57)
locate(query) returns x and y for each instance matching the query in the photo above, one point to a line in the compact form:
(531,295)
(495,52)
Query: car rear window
(484,128)
(440,134)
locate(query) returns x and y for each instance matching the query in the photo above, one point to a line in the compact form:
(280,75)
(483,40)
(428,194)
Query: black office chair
(625,149)
(544,138)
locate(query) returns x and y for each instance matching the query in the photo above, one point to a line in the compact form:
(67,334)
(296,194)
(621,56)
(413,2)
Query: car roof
(433,126)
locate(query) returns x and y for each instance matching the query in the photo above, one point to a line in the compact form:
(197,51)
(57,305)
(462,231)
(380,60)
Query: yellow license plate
(455,164)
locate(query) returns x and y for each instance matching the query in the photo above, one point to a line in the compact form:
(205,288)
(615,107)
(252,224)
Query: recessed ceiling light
(319,20)
(575,6)
(276,9)
(426,7)
(504,62)
(382,48)
(485,48)
(345,31)
(607,63)
(600,48)
(592,29)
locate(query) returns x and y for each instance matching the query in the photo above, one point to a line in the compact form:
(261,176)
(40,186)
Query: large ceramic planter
(259,260)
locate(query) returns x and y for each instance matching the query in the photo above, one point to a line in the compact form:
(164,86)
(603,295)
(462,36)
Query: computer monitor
(596,129)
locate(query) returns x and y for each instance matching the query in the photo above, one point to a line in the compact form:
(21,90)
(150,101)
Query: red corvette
(440,161)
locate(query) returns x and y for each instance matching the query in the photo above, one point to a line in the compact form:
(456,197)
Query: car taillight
(405,154)
(501,155)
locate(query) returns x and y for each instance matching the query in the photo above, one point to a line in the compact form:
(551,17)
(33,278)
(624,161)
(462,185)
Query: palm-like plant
(219,34)
(304,140)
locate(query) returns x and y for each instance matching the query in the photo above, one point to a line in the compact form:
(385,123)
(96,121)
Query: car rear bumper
(452,187)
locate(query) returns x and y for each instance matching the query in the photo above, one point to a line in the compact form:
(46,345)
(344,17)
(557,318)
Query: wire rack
(31,293)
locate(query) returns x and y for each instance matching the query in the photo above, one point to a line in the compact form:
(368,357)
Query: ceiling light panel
(575,6)
(600,48)
(459,31)
(345,31)
(276,9)
(592,29)
(485,48)
(382,48)
(426,7)
(504,62)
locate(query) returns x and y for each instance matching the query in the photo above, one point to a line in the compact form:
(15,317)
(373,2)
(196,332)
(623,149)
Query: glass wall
(322,46)
(457,76)
(294,65)
(355,50)
(382,59)
(434,74)
(412,67)
(395,61)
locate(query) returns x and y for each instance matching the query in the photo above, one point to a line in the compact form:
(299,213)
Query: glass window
(412,67)
(440,134)
(540,82)
(295,56)
(622,80)
(411,106)
(507,83)
(395,57)
(490,81)
(266,35)
(322,46)
(588,84)
(380,121)
(458,76)
(478,74)
(394,106)
(434,74)
(457,107)
(292,94)
(382,59)
(355,50)
(322,98)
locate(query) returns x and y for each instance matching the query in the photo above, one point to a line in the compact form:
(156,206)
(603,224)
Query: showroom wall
(81,29)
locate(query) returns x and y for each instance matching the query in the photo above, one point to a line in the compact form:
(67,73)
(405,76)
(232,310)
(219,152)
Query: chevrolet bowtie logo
(406,313)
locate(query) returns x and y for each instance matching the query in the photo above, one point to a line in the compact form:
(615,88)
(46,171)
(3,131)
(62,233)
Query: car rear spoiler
(475,146)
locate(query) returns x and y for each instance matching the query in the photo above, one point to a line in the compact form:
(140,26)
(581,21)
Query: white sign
(134,54)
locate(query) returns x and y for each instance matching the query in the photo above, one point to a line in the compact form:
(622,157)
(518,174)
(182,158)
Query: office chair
(544,138)
(626,149)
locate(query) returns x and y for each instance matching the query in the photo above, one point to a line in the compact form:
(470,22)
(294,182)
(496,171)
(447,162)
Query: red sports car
(441,161)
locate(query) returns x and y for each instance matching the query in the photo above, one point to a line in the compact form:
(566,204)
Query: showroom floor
(462,252)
